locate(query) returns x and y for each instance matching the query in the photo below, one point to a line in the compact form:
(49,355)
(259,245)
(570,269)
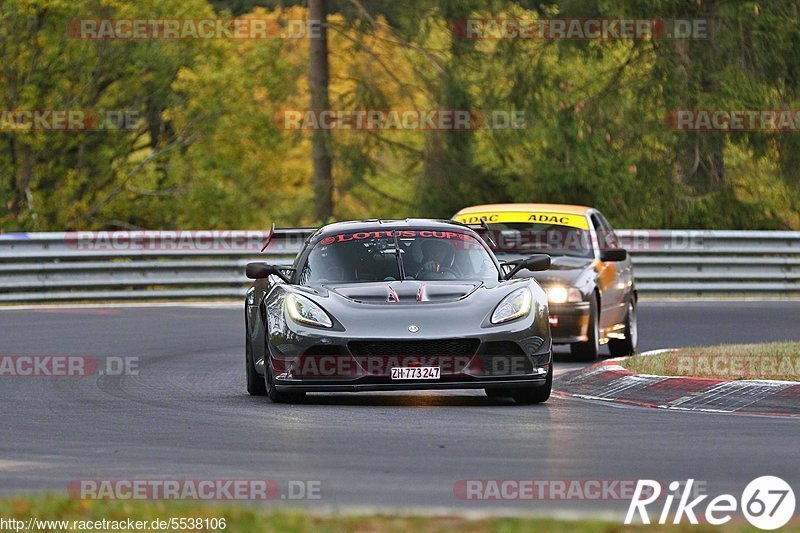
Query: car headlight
(515,305)
(561,295)
(305,311)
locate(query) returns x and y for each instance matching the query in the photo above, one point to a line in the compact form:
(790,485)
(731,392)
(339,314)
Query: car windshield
(553,239)
(389,255)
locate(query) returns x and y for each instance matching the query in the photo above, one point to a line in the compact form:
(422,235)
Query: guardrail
(37,267)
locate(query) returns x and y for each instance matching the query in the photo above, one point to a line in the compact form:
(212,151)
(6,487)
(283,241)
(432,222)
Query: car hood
(403,292)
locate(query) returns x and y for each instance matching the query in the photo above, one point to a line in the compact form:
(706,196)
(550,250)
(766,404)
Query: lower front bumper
(569,323)
(373,384)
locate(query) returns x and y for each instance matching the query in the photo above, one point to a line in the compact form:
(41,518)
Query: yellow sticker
(560,219)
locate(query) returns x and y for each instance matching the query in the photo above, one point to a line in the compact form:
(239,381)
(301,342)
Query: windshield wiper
(400,268)
(488,233)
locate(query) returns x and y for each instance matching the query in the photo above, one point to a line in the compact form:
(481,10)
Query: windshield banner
(559,219)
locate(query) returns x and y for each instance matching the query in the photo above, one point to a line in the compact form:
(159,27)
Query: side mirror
(263,270)
(614,255)
(534,263)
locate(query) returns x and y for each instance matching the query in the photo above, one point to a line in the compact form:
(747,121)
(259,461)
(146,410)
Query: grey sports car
(397,305)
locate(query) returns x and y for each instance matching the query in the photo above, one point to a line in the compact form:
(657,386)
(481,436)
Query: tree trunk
(318,86)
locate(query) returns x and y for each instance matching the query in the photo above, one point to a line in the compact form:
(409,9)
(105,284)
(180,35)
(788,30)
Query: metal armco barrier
(40,267)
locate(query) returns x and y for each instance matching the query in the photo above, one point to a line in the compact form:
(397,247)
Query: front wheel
(590,350)
(273,394)
(626,346)
(255,383)
(531,395)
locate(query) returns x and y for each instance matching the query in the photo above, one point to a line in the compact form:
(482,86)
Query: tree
(320,101)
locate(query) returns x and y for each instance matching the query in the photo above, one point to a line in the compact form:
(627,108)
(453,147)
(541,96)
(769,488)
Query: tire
(590,350)
(627,346)
(497,393)
(255,383)
(538,394)
(272,392)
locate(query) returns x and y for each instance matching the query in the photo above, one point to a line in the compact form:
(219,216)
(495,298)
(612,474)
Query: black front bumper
(513,356)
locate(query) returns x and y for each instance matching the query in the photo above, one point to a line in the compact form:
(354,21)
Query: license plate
(415,372)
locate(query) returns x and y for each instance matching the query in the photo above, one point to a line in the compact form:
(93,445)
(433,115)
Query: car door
(624,268)
(610,275)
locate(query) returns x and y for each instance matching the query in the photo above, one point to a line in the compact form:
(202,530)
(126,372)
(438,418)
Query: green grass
(777,360)
(240,518)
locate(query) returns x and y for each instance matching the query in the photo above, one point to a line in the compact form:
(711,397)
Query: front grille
(437,347)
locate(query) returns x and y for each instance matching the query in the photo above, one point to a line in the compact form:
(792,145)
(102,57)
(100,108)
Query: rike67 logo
(767,502)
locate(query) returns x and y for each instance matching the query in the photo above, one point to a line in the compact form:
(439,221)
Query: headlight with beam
(561,295)
(305,311)
(515,305)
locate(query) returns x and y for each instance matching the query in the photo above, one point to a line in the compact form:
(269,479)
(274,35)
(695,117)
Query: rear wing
(285,241)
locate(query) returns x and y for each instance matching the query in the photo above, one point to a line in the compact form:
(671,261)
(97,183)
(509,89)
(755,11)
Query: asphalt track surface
(186,415)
